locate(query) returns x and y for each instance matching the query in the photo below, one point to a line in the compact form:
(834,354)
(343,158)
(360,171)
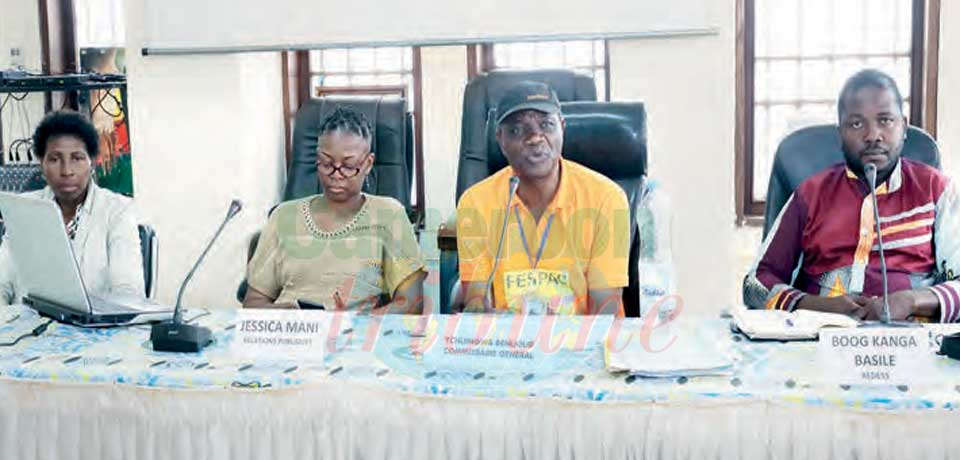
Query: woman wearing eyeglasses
(343,248)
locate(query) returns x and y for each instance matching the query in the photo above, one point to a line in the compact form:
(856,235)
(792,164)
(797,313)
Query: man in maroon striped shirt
(822,253)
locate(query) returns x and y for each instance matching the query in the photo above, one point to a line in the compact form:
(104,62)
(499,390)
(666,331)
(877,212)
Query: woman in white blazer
(101,224)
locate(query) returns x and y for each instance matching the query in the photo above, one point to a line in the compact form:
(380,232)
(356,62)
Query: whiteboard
(243,25)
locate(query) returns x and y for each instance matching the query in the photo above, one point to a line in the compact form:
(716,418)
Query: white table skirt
(333,420)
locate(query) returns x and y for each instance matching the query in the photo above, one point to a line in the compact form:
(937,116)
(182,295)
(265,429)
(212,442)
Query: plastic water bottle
(655,264)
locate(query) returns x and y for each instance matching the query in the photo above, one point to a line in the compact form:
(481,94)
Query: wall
(20,28)
(444,80)
(687,85)
(212,126)
(204,129)
(678,98)
(244,23)
(948,102)
(208,128)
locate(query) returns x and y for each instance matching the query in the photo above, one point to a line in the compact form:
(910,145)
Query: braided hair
(345,119)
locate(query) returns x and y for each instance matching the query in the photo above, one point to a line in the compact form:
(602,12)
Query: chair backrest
(810,150)
(392,144)
(150,250)
(18,178)
(611,139)
(482,95)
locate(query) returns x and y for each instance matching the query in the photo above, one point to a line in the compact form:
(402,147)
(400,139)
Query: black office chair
(392,145)
(482,95)
(27,177)
(608,137)
(808,151)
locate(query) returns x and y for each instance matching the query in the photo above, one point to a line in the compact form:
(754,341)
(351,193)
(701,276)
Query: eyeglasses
(347,171)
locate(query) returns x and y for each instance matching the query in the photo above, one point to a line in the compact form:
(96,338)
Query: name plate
(882,356)
(281,334)
(534,344)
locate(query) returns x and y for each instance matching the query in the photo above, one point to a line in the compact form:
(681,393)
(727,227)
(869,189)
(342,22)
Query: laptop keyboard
(102,306)
(125,304)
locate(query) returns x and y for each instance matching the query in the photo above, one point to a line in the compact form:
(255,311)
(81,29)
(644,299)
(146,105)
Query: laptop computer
(48,269)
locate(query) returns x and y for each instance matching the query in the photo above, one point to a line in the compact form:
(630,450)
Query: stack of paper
(783,325)
(685,350)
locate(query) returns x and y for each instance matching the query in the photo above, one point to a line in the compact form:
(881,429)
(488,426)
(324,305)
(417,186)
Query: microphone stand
(175,335)
(870,171)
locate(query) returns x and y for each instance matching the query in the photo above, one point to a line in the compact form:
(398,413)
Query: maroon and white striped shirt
(824,240)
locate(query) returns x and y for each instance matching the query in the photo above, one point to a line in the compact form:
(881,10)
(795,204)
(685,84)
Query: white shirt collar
(86,207)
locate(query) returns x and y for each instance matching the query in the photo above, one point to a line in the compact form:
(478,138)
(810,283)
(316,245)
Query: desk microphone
(514,183)
(870,171)
(174,335)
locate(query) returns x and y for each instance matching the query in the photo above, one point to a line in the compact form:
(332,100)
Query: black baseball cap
(527,95)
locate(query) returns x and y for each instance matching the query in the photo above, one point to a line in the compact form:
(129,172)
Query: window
(364,71)
(587,56)
(793,58)
(100,24)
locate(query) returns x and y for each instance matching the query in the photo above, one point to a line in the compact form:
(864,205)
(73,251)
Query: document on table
(784,325)
(670,351)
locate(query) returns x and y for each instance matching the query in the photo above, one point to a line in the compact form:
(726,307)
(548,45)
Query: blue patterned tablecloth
(377,351)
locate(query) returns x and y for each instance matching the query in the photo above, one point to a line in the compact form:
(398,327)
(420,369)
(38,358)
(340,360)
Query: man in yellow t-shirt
(566,233)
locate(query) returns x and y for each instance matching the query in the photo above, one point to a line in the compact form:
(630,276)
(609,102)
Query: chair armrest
(251,249)
(449,261)
(447,234)
(252,246)
(149,252)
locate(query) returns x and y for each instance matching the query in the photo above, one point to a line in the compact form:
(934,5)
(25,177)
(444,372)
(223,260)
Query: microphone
(514,184)
(174,335)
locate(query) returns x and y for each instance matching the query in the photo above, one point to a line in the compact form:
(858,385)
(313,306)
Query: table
(75,393)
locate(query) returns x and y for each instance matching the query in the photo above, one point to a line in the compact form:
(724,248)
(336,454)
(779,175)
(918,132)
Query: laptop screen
(41,251)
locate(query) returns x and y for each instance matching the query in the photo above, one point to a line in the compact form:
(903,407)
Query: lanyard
(543,239)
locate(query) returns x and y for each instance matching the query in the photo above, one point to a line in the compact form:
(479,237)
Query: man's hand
(906,305)
(901,306)
(854,306)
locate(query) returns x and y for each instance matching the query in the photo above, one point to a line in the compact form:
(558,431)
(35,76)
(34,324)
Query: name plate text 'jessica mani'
(287,334)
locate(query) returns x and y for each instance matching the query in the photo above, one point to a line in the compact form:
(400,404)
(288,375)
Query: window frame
(481,59)
(925,27)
